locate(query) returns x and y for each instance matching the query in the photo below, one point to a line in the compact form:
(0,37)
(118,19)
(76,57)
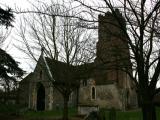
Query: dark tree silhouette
(6,17)
(9,69)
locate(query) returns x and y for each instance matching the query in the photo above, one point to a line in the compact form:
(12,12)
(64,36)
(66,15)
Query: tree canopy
(6,17)
(9,69)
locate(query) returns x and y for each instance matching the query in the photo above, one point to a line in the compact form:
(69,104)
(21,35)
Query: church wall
(24,93)
(57,99)
(107,96)
(32,97)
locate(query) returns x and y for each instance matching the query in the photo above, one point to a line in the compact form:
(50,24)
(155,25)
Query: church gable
(40,73)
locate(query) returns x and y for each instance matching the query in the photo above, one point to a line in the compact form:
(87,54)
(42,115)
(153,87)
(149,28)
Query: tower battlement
(111,24)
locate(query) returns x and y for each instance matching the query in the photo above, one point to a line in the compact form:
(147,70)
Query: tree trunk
(77,98)
(148,111)
(139,99)
(17,96)
(65,109)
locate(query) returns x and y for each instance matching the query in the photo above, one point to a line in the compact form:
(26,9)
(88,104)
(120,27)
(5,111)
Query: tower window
(93,93)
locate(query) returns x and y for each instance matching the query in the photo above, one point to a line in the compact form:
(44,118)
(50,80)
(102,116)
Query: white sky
(23,4)
(25,64)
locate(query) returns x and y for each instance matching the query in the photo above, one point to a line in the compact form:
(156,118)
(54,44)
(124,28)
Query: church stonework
(113,86)
(108,86)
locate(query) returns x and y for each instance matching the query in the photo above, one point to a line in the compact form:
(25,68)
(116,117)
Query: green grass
(10,108)
(130,115)
(41,115)
(48,114)
(158,113)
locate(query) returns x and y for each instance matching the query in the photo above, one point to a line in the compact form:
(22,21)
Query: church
(107,86)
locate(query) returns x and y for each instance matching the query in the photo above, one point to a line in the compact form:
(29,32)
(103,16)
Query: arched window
(93,93)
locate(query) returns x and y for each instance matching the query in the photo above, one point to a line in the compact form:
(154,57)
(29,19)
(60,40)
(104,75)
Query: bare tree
(63,41)
(142,33)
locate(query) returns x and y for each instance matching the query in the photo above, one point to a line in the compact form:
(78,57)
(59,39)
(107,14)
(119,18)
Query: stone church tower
(112,50)
(110,86)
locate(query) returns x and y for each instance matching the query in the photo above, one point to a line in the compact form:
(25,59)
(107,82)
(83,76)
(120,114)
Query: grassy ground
(48,114)
(12,113)
(127,115)
(130,115)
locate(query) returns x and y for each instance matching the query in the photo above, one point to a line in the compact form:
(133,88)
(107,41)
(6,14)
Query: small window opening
(93,93)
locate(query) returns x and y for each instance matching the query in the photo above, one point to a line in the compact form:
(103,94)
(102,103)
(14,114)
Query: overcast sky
(25,63)
(19,56)
(23,4)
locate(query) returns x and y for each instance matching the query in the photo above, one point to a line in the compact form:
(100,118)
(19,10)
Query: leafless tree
(142,33)
(63,41)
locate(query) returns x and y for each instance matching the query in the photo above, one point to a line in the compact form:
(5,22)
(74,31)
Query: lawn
(12,112)
(57,113)
(130,115)
(127,115)
(48,114)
